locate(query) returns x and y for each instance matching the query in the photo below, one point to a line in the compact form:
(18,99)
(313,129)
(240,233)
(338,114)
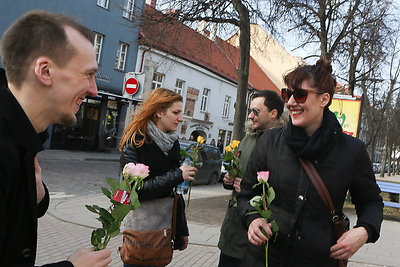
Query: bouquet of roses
(262,203)
(193,156)
(231,156)
(123,198)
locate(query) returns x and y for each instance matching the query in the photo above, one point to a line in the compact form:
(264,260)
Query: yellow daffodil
(200,139)
(228,149)
(235,144)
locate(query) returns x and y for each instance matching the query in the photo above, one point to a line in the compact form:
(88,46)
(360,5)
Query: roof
(219,57)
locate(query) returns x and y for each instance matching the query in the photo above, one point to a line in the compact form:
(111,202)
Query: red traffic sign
(131,86)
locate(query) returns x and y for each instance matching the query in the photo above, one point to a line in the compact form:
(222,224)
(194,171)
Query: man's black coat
(19,211)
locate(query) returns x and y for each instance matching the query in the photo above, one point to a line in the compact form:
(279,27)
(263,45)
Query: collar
(17,122)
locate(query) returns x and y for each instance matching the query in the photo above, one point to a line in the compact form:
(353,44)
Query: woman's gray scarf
(164,141)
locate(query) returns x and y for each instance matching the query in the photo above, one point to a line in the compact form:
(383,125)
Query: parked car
(376,167)
(210,171)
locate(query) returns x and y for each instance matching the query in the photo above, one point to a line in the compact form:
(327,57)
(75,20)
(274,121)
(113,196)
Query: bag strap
(319,186)
(173,224)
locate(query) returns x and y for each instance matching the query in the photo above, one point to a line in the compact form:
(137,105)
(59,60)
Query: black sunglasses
(299,94)
(254,110)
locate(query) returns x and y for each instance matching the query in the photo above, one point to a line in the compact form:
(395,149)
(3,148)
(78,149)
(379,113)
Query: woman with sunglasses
(305,236)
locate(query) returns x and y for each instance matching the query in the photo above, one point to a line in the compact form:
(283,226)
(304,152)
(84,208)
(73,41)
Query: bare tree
(236,13)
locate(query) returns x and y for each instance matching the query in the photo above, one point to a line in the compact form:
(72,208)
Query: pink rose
(143,170)
(262,177)
(136,170)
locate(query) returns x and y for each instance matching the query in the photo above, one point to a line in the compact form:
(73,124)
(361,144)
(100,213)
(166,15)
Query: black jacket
(164,176)
(305,227)
(19,144)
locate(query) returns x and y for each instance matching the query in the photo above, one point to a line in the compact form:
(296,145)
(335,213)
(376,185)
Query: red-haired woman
(305,236)
(150,139)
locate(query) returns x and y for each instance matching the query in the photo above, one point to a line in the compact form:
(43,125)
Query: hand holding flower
(231,156)
(123,198)
(261,204)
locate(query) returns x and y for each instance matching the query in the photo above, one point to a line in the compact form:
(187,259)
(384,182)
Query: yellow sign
(347,111)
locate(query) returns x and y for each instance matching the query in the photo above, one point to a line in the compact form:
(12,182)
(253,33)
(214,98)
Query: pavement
(68,225)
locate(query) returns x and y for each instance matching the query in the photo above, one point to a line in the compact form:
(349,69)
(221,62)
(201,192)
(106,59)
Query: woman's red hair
(159,100)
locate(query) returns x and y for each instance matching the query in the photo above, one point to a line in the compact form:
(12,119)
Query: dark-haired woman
(313,133)
(150,139)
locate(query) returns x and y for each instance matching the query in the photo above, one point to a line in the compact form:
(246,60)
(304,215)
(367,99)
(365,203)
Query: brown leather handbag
(149,234)
(340,223)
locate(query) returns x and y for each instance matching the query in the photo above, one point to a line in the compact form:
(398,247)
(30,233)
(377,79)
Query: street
(74,179)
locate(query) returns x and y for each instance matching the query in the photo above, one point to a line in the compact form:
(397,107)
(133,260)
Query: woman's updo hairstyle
(319,75)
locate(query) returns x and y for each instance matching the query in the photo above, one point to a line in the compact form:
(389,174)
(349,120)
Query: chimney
(213,31)
(201,27)
(152,3)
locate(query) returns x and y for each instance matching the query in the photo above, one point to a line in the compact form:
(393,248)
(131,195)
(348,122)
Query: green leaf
(92,209)
(274,226)
(106,192)
(185,154)
(101,232)
(271,195)
(113,184)
(266,214)
(134,196)
(121,211)
(106,215)
(114,234)
(104,222)
(114,227)
(254,186)
(256,201)
(123,186)
(95,239)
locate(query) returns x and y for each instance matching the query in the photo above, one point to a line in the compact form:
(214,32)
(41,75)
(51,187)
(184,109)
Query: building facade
(202,68)
(116,27)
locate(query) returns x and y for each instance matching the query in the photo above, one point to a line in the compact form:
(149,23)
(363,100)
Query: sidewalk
(202,250)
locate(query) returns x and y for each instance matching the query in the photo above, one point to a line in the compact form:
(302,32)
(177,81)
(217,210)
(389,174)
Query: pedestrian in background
(220,147)
(305,236)
(50,65)
(212,143)
(150,138)
(265,109)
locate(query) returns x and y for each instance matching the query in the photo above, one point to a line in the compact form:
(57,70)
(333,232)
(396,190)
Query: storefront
(192,128)
(100,122)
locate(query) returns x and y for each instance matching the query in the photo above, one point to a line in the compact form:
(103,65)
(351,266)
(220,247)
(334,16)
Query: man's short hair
(35,34)
(272,100)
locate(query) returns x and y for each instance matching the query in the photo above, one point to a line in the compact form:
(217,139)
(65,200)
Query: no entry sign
(131,86)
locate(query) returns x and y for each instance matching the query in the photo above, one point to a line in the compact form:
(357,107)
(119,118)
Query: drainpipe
(141,63)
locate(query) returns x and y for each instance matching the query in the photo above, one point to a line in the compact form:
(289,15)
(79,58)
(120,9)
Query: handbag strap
(173,224)
(319,186)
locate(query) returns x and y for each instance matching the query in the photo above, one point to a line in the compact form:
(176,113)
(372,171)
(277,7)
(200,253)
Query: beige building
(272,58)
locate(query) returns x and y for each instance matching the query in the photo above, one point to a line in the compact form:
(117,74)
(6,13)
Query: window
(204,99)
(98,45)
(128,9)
(227,104)
(103,3)
(121,56)
(179,86)
(158,79)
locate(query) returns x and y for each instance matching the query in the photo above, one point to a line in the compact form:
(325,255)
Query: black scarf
(314,146)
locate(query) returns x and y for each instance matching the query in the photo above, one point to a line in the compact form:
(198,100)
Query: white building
(202,70)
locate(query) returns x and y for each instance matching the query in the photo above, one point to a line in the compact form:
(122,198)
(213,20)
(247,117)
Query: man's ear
(274,114)
(42,70)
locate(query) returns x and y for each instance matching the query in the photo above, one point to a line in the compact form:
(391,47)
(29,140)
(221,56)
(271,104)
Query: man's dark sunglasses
(299,94)
(254,110)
